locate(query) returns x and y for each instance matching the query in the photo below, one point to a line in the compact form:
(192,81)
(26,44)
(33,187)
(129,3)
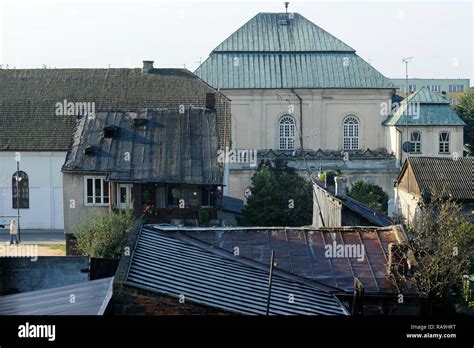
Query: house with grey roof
(422,177)
(158,162)
(428,125)
(38,113)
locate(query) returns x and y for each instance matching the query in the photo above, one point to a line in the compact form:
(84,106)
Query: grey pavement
(36,236)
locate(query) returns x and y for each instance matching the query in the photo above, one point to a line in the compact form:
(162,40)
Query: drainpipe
(301,117)
(401,143)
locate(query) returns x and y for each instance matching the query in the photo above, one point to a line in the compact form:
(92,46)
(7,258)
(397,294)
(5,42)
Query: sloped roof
(267,32)
(425,107)
(454,177)
(171,147)
(91,298)
(300,251)
(28,98)
(171,263)
(375,217)
(273,50)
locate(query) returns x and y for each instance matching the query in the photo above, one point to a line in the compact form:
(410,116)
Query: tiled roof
(171,147)
(28,98)
(373,216)
(425,108)
(91,298)
(301,251)
(275,51)
(455,176)
(171,263)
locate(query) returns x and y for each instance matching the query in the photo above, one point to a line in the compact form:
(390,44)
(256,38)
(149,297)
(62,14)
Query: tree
(104,235)
(371,195)
(465,110)
(440,244)
(280,197)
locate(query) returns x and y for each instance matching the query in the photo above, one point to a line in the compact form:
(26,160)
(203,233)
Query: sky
(123,33)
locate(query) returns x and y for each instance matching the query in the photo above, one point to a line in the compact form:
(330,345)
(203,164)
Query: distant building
(453,88)
(420,177)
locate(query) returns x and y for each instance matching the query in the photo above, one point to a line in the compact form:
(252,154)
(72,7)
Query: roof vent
(147,66)
(110,132)
(139,121)
(89,151)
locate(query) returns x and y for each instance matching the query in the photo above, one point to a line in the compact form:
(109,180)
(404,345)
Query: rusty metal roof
(170,262)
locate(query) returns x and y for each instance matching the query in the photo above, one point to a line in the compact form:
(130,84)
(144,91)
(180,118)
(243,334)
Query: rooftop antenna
(286,6)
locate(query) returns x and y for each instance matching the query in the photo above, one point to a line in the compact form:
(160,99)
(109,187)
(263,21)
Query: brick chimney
(147,66)
(341,185)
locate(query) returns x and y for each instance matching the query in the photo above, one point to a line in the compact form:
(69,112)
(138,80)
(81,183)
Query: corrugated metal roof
(290,70)
(171,147)
(281,32)
(263,53)
(170,263)
(90,298)
(455,177)
(301,251)
(425,108)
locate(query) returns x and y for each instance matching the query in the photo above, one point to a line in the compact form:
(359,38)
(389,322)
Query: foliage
(371,195)
(465,110)
(104,235)
(203,217)
(280,197)
(440,245)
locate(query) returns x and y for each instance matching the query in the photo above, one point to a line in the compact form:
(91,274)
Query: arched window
(287,133)
(20,185)
(415,142)
(350,135)
(444,141)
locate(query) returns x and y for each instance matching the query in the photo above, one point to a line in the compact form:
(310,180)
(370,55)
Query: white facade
(45,188)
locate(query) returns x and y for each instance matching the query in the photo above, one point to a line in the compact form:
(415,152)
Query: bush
(371,195)
(104,235)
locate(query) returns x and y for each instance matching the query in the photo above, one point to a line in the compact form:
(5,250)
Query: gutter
(301,117)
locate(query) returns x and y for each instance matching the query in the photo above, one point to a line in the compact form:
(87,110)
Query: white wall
(46,188)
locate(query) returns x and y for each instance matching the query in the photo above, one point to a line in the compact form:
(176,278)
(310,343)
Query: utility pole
(406,61)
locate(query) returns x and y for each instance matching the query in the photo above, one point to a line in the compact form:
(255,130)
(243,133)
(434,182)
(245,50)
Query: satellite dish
(406,147)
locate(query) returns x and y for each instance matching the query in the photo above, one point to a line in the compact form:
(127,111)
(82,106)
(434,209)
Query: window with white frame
(411,88)
(444,140)
(350,133)
(453,101)
(456,88)
(96,191)
(415,142)
(434,88)
(287,133)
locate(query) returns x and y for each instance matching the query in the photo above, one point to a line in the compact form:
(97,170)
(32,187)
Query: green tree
(371,195)
(440,244)
(465,110)
(280,197)
(104,235)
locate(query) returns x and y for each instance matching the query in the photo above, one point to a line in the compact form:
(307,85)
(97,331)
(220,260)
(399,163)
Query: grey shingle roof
(28,98)
(455,177)
(171,263)
(91,298)
(263,53)
(425,108)
(171,147)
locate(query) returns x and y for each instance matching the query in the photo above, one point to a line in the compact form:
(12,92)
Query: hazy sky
(99,33)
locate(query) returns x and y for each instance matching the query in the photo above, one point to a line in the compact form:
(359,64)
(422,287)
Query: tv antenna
(286,6)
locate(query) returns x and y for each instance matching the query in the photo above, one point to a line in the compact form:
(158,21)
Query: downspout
(301,117)
(400,148)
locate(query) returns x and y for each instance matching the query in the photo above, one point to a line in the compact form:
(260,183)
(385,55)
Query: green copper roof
(425,108)
(277,32)
(275,50)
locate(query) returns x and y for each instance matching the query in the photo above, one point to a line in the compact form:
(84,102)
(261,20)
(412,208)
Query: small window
(20,191)
(287,133)
(350,136)
(411,88)
(415,142)
(444,140)
(96,191)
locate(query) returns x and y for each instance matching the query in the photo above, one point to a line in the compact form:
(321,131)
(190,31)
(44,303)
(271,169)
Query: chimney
(147,66)
(329,182)
(341,185)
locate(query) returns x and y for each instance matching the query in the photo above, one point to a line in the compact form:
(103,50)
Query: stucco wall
(74,193)
(45,188)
